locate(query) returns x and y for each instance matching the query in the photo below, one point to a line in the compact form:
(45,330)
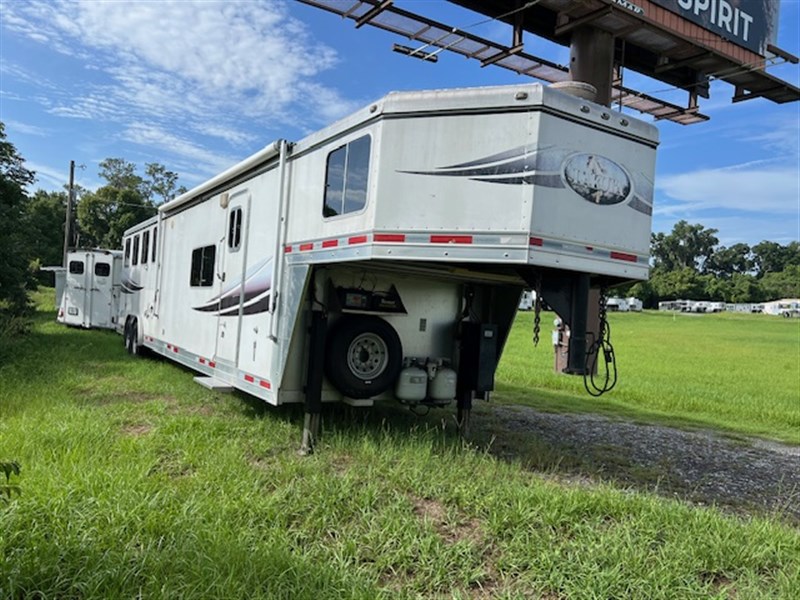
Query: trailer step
(214,384)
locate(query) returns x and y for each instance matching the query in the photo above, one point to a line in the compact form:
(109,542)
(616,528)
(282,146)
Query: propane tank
(411,384)
(442,385)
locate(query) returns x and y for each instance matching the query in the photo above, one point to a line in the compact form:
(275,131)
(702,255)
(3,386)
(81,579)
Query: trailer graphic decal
(128,286)
(595,178)
(252,296)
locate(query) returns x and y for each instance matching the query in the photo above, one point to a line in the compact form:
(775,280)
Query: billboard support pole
(591,60)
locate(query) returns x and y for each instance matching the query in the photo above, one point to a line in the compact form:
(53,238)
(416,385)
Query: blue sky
(199,86)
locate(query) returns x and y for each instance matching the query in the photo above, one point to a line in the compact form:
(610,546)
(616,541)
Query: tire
(363,356)
(131,338)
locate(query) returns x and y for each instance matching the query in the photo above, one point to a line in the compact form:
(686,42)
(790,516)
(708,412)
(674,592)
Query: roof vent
(576,88)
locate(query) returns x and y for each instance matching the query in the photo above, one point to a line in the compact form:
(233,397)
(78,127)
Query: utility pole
(68,224)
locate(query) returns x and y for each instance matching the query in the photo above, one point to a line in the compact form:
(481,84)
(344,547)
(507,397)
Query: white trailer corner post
(384,256)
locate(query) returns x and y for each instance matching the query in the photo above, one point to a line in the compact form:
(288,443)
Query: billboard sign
(751,24)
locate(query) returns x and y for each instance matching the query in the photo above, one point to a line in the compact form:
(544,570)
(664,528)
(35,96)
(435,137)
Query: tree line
(690,264)
(32,226)
(687,263)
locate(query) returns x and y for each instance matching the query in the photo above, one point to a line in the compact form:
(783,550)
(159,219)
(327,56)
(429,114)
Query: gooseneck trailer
(384,256)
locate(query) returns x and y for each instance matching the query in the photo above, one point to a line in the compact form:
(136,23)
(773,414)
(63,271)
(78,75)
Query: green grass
(736,372)
(136,482)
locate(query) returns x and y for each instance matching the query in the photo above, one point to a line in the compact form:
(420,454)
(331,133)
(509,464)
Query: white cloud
(49,177)
(228,70)
(25,128)
(751,187)
(169,143)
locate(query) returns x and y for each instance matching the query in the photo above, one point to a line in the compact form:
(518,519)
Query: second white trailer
(91,289)
(385,256)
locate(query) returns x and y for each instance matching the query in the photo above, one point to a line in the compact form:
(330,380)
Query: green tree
(745,288)
(771,257)
(160,184)
(683,283)
(784,284)
(724,262)
(104,215)
(121,174)
(44,225)
(687,246)
(15,275)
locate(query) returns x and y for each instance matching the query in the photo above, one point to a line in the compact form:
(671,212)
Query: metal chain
(537,310)
(603,300)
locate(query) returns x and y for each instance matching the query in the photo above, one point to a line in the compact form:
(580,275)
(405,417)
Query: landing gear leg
(313,403)
(464,412)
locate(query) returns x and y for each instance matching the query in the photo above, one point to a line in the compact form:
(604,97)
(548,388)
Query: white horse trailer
(90,296)
(385,256)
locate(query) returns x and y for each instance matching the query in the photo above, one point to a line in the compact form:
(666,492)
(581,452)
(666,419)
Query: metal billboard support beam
(591,60)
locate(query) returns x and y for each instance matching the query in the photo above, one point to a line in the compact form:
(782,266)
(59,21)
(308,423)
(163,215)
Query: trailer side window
(76,267)
(136,250)
(128,252)
(202,274)
(102,269)
(145,246)
(235,228)
(346,178)
(155,231)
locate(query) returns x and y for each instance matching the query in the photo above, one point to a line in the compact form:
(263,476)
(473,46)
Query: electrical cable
(597,383)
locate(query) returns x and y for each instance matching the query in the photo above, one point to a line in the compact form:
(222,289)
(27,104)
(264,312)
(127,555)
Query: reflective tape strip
(623,256)
(389,237)
(451,239)
(357,239)
(330,243)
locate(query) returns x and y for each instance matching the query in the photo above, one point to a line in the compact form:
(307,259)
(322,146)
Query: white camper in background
(388,251)
(634,304)
(91,292)
(617,305)
(526,300)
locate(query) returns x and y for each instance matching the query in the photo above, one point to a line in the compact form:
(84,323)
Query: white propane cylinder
(443,385)
(411,384)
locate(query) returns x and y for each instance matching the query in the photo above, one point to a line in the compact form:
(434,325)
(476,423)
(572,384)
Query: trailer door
(100,281)
(75,295)
(231,277)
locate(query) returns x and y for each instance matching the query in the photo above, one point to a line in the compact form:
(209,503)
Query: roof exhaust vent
(586,91)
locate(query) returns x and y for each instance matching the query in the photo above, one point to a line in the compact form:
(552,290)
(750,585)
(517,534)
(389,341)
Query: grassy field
(736,372)
(136,482)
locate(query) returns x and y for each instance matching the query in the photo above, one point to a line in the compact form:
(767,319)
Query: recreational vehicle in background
(385,256)
(91,289)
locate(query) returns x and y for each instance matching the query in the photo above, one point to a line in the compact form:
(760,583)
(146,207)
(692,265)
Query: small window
(155,231)
(202,274)
(145,246)
(102,269)
(136,250)
(346,178)
(128,252)
(235,228)
(76,267)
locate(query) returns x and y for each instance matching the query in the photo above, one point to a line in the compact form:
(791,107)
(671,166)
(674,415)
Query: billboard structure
(752,24)
(683,43)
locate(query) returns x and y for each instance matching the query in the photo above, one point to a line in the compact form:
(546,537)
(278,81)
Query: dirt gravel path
(743,475)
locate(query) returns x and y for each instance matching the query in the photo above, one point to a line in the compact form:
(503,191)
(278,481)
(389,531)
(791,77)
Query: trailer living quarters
(384,256)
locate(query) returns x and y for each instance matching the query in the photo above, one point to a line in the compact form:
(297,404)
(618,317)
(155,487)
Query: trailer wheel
(363,356)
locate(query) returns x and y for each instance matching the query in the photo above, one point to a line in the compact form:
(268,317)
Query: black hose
(605,378)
